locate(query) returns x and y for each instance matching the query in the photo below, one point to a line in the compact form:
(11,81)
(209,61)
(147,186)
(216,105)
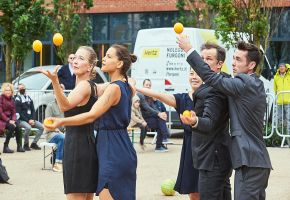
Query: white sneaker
(57,167)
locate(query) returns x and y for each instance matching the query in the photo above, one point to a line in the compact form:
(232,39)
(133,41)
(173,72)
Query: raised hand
(184,42)
(51,75)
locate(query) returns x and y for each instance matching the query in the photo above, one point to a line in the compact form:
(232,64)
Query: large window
(121,27)
(46,56)
(100,27)
(279,45)
(280,24)
(153,20)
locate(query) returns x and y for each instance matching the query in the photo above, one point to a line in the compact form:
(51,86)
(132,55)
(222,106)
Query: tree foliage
(76,29)
(22,22)
(234,20)
(195,13)
(241,19)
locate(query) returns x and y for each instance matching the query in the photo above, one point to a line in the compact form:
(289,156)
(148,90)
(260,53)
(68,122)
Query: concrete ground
(30,182)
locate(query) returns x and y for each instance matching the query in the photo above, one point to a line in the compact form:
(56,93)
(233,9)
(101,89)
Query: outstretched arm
(76,97)
(110,98)
(229,86)
(165,98)
(145,106)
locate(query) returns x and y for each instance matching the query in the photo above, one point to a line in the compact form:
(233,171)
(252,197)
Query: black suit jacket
(65,77)
(210,139)
(247,105)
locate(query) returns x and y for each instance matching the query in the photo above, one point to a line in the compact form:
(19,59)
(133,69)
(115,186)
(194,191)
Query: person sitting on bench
(56,136)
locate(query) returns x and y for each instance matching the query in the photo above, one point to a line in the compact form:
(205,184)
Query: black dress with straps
(80,164)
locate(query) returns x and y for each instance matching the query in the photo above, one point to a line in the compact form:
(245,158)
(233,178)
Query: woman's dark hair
(127,58)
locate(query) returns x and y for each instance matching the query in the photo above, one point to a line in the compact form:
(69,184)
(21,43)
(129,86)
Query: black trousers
(143,132)
(17,132)
(215,184)
(155,123)
(250,183)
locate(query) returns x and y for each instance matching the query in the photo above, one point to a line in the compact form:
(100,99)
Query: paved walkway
(32,183)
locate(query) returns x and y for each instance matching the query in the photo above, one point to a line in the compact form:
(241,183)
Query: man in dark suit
(247,105)
(215,55)
(66,75)
(210,139)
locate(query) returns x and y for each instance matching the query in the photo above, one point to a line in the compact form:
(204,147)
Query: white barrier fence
(275,121)
(277,117)
(269,117)
(41,98)
(281,123)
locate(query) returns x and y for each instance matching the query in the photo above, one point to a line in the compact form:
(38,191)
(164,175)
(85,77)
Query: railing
(272,123)
(41,98)
(269,117)
(282,118)
(276,121)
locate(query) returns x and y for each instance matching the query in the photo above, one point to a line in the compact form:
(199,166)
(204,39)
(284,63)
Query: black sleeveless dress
(80,165)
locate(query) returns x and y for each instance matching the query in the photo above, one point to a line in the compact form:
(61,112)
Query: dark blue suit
(65,77)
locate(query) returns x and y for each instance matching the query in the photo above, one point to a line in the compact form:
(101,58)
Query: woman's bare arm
(110,98)
(77,96)
(168,99)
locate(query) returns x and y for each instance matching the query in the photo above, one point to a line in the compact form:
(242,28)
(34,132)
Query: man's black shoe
(26,147)
(34,146)
(20,149)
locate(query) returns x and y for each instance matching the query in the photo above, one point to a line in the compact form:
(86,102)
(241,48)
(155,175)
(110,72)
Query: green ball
(167,187)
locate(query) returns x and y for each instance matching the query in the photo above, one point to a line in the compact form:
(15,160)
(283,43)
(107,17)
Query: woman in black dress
(80,159)
(187,179)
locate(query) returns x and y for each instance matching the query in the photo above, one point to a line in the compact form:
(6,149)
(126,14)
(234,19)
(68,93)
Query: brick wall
(112,6)
(115,6)
(281,3)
